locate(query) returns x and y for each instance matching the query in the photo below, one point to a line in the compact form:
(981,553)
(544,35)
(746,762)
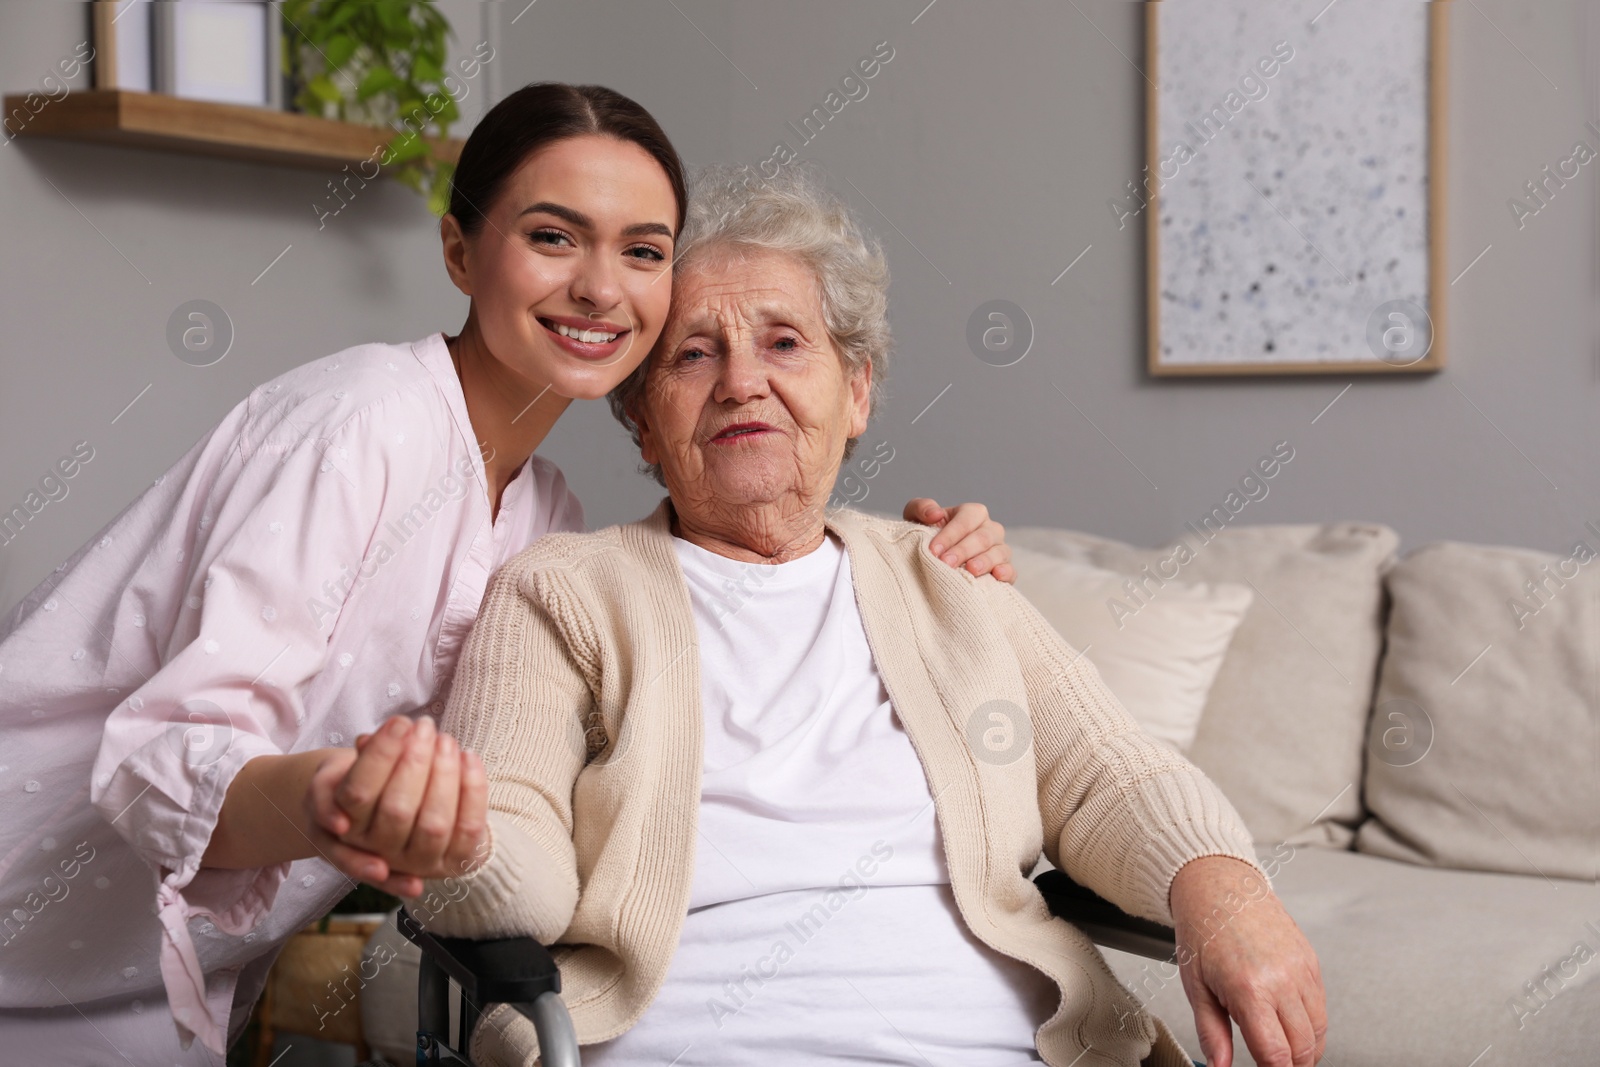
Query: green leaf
(392,13)
(407,147)
(323,89)
(339,49)
(343,12)
(439,194)
(416,112)
(377,80)
(426,71)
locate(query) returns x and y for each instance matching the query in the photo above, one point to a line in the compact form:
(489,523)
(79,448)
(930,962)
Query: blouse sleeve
(1122,812)
(273,540)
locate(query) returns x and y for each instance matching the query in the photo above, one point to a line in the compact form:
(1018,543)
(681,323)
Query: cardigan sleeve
(519,699)
(1122,812)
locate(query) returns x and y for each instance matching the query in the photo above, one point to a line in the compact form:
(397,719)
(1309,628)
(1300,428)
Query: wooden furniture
(170,123)
(314,987)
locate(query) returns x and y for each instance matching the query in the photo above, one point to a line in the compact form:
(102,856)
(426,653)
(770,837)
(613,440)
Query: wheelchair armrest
(1102,920)
(506,970)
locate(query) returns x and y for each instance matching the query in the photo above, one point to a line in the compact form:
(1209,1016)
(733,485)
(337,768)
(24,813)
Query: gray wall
(983,155)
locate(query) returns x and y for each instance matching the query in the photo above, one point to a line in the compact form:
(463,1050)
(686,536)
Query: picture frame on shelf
(224,51)
(122,41)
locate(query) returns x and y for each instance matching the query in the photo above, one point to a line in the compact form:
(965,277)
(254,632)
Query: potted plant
(380,63)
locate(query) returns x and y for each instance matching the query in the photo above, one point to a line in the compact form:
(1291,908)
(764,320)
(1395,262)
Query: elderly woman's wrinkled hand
(967,538)
(1241,955)
(406,804)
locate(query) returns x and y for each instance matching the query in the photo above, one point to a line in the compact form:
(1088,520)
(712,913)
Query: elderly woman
(774,778)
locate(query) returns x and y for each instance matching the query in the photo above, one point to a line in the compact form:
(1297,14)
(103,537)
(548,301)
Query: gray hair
(733,209)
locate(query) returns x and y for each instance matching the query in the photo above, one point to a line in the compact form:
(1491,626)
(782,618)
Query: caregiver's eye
(646,252)
(549,238)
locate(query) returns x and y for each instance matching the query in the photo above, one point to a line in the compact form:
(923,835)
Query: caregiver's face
(570,273)
(746,400)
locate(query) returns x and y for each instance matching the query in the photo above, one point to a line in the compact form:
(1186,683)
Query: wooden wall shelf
(199,127)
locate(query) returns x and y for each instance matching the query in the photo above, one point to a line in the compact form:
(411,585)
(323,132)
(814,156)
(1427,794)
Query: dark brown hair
(540,114)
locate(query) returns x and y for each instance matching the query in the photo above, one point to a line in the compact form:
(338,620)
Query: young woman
(180,699)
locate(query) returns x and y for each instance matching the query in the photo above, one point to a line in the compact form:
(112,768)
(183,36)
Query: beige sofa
(1415,744)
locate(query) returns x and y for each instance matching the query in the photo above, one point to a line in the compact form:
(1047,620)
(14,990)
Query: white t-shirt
(821,923)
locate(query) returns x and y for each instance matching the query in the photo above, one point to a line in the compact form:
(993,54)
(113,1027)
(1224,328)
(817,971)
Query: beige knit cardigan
(580,688)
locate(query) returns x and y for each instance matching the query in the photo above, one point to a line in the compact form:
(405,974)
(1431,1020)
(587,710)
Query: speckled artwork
(1291,163)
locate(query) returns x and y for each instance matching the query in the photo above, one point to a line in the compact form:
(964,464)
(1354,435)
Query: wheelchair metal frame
(512,970)
(520,972)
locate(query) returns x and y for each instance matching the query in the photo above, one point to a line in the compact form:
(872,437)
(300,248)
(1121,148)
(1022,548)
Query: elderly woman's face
(746,400)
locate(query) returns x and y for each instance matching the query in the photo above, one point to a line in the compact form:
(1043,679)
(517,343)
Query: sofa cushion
(1161,662)
(1483,742)
(1426,967)
(1286,719)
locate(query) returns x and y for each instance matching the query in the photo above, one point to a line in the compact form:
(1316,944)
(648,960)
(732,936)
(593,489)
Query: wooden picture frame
(1160,363)
(122,45)
(159,31)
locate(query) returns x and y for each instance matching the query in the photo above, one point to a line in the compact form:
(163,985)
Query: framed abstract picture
(1293,193)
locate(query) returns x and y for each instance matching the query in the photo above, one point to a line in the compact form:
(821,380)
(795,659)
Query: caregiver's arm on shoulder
(968,538)
(1122,812)
(519,700)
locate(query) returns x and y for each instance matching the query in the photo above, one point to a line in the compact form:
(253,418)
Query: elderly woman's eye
(786,344)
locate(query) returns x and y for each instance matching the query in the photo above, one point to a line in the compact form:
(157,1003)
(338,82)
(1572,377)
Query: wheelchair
(520,972)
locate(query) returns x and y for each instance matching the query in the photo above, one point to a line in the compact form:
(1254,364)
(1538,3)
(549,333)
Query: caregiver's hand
(405,805)
(967,537)
(1241,955)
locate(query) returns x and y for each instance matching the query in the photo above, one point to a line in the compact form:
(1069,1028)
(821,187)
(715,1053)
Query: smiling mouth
(584,336)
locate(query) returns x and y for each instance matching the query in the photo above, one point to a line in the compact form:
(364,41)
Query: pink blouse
(308,569)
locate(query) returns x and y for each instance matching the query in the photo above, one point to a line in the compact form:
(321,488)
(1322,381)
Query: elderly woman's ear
(860,400)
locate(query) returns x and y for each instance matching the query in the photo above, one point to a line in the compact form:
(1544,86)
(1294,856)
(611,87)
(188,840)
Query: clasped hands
(406,804)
